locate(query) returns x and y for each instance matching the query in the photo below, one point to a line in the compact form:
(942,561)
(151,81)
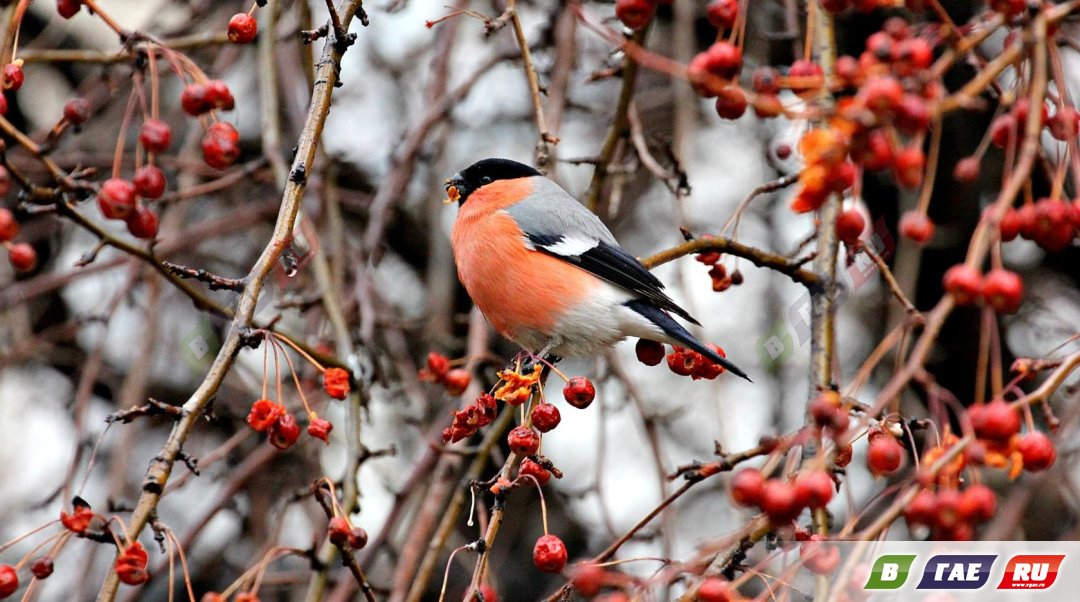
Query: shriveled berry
(149,182)
(884,455)
(142,222)
(523,441)
(529,467)
(155,136)
(649,352)
(77,111)
(916,227)
(545,417)
(336,382)
(579,392)
(549,554)
(285,432)
(748,487)
(1002,290)
(963,282)
(1038,451)
(320,428)
(242,28)
(13,76)
(116,198)
(131,565)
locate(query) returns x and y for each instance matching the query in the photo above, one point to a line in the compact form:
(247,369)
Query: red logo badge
(1031,571)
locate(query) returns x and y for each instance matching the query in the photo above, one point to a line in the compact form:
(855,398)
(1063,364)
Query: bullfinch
(548,274)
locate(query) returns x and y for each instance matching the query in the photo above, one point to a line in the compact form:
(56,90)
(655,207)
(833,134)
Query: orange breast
(517,288)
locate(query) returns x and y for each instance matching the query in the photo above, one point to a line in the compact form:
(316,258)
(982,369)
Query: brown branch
(754,255)
(161,467)
(886,273)
(217,283)
(543,154)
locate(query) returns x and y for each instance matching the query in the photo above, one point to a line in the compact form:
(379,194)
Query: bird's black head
(485,172)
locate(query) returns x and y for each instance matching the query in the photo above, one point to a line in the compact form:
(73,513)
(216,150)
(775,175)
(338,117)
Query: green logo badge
(890,571)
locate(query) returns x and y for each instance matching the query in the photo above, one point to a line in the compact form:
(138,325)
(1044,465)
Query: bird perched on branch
(548,274)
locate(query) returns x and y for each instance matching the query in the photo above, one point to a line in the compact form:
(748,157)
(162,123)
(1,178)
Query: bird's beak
(455,189)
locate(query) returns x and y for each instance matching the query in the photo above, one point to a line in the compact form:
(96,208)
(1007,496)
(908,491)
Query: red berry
(219,96)
(917,227)
(22,256)
(912,56)
(765,80)
(9,580)
(155,136)
(9,228)
(881,95)
(42,568)
(358,538)
(149,182)
(767,106)
(488,594)
(1010,225)
(3,105)
(635,14)
(722,13)
(549,554)
(978,503)
(142,222)
(947,509)
(908,167)
(285,432)
(68,8)
(731,103)
(579,392)
(545,417)
(1002,290)
(818,556)
(5,177)
(807,75)
(779,502)
(438,365)
(1038,451)
(320,429)
(13,77)
(715,589)
(813,488)
(529,467)
(242,28)
(835,6)
(338,530)
(884,455)
(966,170)
(263,415)
(683,361)
(523,441)
(913,114)
(224,128)
(997,420)
(849,226)
(748,487)
(1003,130)
(116,198)
(588,579)
(457,380)
(77,111)
(963,282)
(131,565)
(336,383)
(725,60)
(1065,124)
(194,100)
(920,511)
(219,150)
(648,352)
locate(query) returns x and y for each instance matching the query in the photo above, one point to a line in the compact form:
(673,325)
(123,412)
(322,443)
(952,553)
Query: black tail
(676,331)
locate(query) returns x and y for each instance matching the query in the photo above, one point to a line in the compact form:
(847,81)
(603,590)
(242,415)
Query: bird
(548,274)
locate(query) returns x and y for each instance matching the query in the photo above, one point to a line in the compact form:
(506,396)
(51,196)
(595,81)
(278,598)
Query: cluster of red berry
(782,500)
(721,279)
(266,416)
(681,361)
(999,289)
(1049,222)
(22,255)
(438,370)
(341,533)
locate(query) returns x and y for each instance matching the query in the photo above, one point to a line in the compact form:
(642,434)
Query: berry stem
(931,166)
(296,379)
(113,25)
(155,80)
(306,355)
(121,138)
(446,572)
(183,564)
(33,552)
(266,360)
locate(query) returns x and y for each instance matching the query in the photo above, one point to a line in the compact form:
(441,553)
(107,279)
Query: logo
(890,571)
(1031,571)
(957,571)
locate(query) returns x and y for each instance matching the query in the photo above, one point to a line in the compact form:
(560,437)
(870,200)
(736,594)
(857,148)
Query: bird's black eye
(485,180)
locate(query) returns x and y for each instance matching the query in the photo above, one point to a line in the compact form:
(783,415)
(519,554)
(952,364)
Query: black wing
(615,265)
